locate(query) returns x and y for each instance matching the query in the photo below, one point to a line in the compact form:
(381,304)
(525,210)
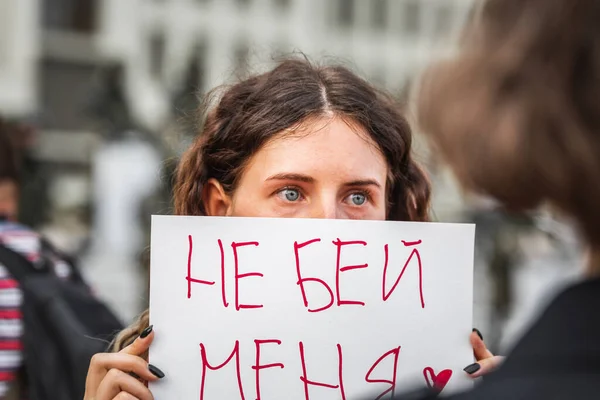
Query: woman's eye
(290,194)
(358,199)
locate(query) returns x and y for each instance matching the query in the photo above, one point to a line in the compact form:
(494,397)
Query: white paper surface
(427,316)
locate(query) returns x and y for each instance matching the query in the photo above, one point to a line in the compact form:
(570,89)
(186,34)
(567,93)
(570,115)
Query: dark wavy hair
(251,112)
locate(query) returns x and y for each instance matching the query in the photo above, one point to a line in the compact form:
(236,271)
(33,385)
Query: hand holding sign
(307,309)
(122,374)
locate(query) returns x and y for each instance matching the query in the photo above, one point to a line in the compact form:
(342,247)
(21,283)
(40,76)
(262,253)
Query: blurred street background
(109,90)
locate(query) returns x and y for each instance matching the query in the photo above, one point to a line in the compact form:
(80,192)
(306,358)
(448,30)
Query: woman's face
(326,169)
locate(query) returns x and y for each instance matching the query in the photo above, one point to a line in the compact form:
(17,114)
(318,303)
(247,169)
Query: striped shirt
(26,242)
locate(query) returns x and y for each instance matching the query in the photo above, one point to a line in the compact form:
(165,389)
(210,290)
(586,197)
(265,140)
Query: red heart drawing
(439,381)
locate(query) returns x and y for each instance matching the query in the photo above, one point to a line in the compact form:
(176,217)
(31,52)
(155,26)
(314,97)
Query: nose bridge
(325,205)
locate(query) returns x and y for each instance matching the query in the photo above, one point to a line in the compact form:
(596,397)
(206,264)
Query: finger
(484,367)
(125,396)
(141,344)
(480,351)
(126,363)
(117,381)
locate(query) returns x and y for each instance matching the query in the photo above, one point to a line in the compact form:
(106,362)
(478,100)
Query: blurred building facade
(100,76)
(112,85)
(164,45)
(163,42)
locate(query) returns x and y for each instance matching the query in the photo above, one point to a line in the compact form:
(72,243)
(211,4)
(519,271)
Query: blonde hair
(129,334)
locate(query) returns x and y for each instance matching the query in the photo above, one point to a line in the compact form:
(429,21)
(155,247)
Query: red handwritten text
(392,382)
(189,269)
(334,291)
(339,269)
(205,365)
(414,252)
(302,281)
(257,366)
(307,382)
(239,276)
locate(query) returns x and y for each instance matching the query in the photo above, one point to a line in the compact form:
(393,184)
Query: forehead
(326,145)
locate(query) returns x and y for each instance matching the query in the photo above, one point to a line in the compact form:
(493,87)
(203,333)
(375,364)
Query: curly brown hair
(250,113)
(516,111)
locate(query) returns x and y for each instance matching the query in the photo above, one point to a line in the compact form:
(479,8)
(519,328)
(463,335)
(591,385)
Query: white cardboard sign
(261,308)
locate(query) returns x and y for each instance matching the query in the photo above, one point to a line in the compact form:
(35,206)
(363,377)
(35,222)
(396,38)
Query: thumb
(480,351)
(141,344)
(484,367)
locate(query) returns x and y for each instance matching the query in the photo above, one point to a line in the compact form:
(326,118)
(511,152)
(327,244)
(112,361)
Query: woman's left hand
(486,361)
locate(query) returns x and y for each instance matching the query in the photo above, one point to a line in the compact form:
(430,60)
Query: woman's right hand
(111,375)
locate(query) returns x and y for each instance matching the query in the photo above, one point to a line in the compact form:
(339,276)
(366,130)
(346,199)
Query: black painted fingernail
(478,333)
(471,369)
(146,331)
(155,371)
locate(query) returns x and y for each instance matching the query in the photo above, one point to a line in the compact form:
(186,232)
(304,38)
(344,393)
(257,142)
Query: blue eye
(291,195)
(358,199)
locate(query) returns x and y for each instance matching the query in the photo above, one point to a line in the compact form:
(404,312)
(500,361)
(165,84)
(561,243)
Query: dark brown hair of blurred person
(9,170)
(516,113)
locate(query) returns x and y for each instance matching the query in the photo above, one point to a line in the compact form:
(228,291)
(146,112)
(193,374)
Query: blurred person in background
(24,253)
(300,141)
(12,141)
(26,242)
(10,323)
(11,234)
(516,115)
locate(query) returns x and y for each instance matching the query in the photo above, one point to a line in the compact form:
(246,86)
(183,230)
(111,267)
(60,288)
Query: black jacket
(558,358)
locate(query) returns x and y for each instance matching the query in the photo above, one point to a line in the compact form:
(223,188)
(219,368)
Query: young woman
(297,142)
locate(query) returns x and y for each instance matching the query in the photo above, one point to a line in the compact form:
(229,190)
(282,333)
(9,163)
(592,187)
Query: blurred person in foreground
(516,114)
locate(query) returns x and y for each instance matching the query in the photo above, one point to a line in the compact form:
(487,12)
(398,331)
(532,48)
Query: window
(282,4)
(443,19)
(5,28)
(405,88)
(411,17)
(379,11)
(70,15)
(195,71)
(345,13)
(379,77)
(185,99)
(63,108)
(157,54)
(241,57)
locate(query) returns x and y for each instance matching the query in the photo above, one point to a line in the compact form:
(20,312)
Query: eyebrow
(291,177)
(363,182)
(309,179)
